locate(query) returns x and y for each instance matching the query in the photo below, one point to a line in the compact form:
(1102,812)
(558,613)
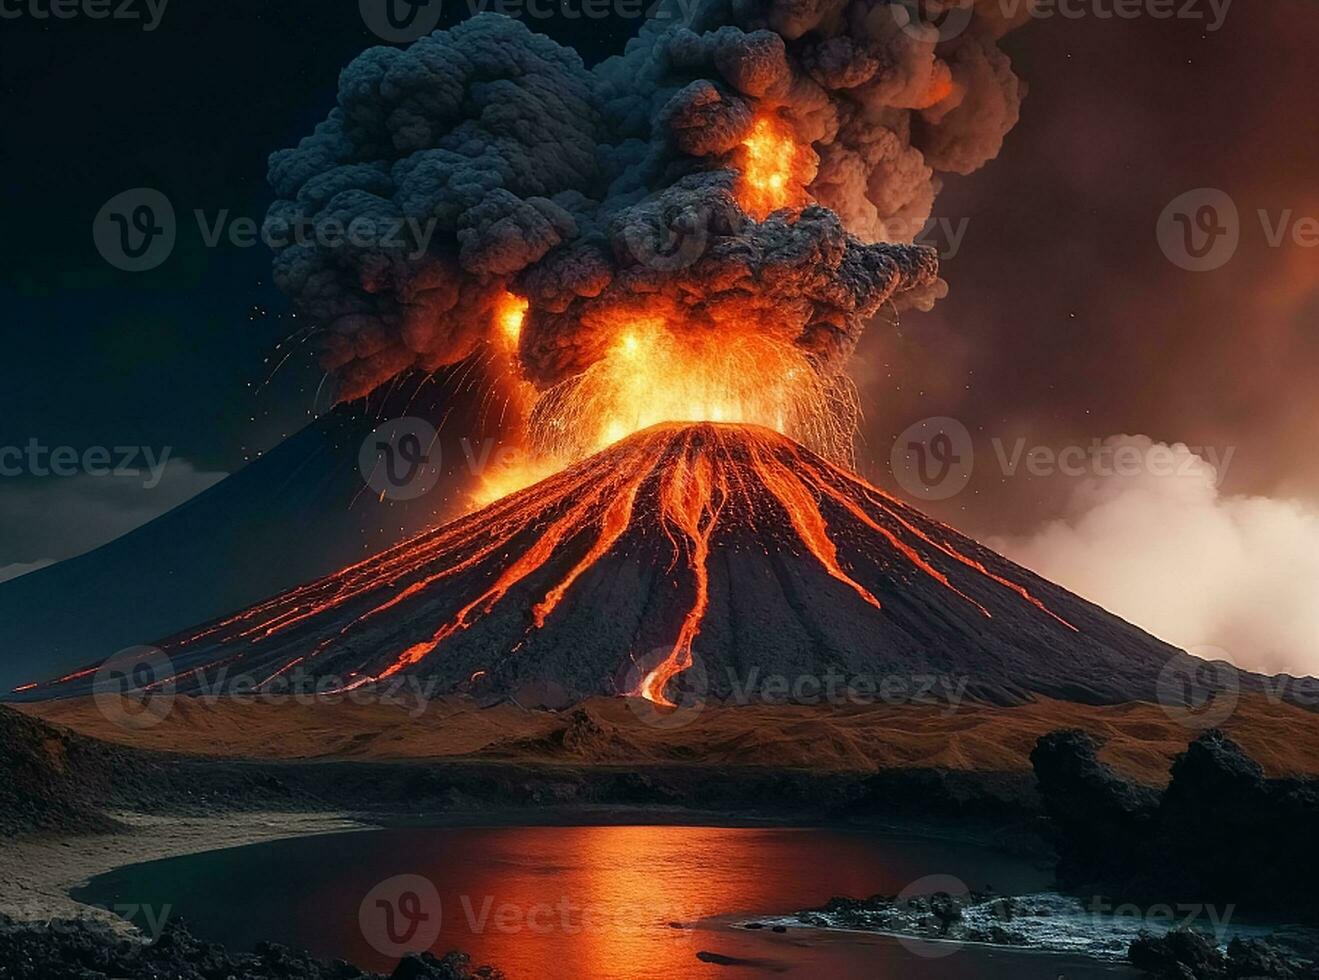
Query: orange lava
(691,499)
(803,510)
(511,465)
(510,312)
(775,169)
(511,473)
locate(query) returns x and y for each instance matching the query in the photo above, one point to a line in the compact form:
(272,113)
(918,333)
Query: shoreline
(41,869)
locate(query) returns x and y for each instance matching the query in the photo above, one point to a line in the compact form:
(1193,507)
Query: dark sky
(1065,321)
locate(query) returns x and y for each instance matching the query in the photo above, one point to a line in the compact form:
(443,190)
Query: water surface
(553,903)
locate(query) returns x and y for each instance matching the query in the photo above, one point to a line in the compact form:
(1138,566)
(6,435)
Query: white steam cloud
(1162,547)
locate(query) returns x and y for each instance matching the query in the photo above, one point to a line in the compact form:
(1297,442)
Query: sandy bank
(39,871)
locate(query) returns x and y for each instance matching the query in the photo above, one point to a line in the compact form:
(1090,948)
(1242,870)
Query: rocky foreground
(1061,924)
(1221,832)
(1184,954)
(85,950)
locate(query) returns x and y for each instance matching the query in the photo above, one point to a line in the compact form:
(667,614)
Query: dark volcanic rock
(83,950)
(53,779)
(1249,958)
(1101,817)
(1220,833)
(977,917)
(1184,954)
(49,776)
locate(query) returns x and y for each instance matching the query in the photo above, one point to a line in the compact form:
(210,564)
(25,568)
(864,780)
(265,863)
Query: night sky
(1065,322)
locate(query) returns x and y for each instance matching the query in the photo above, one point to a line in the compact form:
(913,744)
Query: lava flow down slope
(723,549)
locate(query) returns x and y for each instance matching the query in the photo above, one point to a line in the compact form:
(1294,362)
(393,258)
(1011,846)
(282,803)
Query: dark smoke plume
(597,193)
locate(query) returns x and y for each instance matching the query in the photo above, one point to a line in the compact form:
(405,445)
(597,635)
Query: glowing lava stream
(684,489)
(688,499)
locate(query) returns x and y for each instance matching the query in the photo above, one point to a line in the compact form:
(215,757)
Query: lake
(600,902)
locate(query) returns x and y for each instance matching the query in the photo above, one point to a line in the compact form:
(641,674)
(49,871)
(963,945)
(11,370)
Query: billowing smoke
(1226,577)
(487,159)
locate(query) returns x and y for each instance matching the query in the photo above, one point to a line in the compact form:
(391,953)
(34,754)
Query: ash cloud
(600,192)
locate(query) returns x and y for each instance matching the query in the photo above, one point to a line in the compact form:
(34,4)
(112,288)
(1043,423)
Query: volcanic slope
(716,555)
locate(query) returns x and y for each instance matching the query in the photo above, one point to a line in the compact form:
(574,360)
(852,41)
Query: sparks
(655,374)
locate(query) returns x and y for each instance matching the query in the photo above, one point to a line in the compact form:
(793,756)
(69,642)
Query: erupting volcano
(658,269)
(726,545)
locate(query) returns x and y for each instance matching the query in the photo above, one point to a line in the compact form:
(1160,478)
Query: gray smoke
(601,192)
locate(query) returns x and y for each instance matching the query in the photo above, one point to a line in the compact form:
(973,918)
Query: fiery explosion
(696,230)
(754,171)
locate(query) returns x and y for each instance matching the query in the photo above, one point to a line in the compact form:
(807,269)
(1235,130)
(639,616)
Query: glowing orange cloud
(775,169)
(510,311)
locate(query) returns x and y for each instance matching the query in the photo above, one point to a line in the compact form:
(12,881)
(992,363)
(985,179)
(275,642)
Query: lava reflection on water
(604,903)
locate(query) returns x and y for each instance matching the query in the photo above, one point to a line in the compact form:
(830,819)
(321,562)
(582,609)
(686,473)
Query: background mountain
(293,514)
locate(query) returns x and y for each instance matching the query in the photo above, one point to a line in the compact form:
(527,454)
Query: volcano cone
(727,551)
